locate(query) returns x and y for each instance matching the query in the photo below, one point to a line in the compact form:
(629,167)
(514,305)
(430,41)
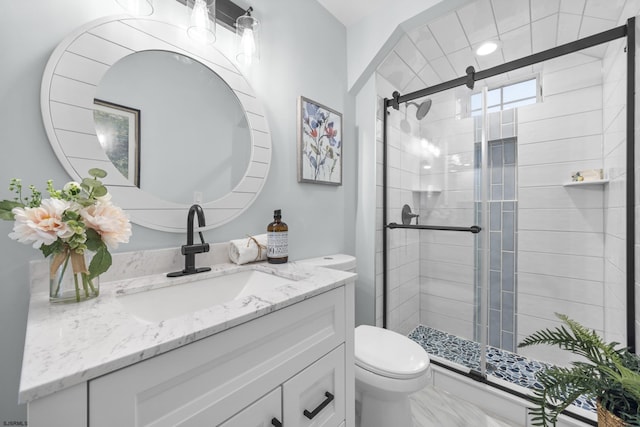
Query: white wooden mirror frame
(69,85)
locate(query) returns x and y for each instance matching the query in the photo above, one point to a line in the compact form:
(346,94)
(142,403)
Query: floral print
(321,144)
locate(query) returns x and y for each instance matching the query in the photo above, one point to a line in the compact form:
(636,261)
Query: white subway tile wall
(561,229)
(614,151)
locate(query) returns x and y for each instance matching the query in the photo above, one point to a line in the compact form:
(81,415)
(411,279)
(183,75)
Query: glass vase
(69,279)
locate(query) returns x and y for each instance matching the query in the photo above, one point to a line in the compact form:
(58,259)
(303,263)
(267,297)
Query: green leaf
(52,248)
(94,241)
(69,215)
(100,191)
(97,173)
(89,183)
(5,209)
(315,149)
(330,153)
(100,263)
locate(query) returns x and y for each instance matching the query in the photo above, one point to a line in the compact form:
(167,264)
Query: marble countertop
(71,343)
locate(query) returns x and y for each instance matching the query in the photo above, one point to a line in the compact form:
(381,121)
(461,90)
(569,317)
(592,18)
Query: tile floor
(436,408)
(432,407)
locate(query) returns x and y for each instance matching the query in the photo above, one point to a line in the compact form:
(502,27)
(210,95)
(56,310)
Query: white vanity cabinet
(313,397)
(272,370)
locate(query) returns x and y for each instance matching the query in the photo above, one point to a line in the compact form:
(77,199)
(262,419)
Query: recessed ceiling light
(486,48)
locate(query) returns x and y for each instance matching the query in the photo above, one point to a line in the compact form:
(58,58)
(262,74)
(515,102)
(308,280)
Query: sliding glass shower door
(433,266)
(506,204)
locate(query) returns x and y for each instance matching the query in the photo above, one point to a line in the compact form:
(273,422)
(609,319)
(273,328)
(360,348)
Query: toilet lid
(336,261)
(388,353)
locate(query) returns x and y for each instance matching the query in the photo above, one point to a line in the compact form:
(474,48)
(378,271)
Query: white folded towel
(249,249)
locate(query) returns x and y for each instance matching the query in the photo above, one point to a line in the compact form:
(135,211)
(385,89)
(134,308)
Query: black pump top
(277,213)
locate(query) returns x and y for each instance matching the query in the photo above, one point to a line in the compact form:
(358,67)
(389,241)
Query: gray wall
(298,57)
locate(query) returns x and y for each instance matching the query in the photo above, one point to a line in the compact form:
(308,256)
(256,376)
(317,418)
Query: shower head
(423,108)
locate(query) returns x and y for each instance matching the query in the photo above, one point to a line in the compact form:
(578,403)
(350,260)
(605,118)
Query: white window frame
(501,104)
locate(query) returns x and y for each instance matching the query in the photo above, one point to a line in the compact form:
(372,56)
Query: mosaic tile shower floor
(501,364)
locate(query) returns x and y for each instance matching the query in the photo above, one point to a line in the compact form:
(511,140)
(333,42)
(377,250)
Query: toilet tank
(337,262)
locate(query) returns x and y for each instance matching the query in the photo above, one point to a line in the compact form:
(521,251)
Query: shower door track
(627,31)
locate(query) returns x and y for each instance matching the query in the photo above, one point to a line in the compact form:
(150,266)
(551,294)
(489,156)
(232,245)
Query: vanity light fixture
(137,7)
(248,32)
(202,20)
(487,48)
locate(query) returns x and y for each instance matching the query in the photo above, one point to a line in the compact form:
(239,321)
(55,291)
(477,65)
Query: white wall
(372,38)
(614,121)
(560,229)
(366,116)
(403,261)
(321,219)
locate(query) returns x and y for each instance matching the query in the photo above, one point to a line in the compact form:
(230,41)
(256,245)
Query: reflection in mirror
(118,131)
(191,134)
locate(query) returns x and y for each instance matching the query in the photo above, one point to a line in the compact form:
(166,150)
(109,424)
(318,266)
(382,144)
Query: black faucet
(190,249)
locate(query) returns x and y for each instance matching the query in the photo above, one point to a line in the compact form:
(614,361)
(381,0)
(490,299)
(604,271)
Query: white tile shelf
(581,183)
(435,190)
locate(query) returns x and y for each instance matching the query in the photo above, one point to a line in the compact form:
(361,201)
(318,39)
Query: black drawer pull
(311,415)
(275,422)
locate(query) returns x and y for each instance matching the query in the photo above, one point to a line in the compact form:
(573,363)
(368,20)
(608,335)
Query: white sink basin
(158,304)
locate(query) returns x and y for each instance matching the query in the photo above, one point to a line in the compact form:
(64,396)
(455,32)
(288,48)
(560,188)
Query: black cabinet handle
(275,422)
(312,414)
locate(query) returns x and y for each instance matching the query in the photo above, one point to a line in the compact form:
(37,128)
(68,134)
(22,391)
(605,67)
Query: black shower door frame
(472,76)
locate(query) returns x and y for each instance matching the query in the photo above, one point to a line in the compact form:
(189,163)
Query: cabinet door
(208,381)
(266,412)
(316,396)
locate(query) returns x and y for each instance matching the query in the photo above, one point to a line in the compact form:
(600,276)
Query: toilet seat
(388,353)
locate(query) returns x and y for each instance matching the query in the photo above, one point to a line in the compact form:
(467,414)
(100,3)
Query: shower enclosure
(520,184)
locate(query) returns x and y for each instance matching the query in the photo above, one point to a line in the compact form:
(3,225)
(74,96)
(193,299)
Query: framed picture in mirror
(319,143)
(118,131)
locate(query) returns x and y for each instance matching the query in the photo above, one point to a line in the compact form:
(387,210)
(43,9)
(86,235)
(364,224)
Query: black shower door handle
(312,414)
(475,229)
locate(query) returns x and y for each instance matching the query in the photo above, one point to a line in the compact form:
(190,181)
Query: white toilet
(388,366)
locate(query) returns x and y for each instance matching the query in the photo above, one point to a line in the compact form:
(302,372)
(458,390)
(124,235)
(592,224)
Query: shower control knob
(407,216)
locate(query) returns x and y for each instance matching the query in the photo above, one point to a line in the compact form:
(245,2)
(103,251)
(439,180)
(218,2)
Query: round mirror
(192,134)
(153,172)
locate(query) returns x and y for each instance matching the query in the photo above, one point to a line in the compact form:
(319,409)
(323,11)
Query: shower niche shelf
(585,183)
(429,189)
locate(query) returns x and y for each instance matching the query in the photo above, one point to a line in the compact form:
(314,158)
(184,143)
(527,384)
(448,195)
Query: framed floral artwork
(319,143)
(118,131)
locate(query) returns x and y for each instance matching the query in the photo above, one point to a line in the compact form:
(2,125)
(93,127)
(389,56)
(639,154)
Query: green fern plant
(609,374)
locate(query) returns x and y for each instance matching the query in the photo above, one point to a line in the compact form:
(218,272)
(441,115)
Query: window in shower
(506,97)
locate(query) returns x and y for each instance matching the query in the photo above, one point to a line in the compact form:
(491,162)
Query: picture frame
(319,143)
(118,131)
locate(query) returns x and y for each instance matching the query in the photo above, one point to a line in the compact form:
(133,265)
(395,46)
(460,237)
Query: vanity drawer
(316,396)
(266,412)
(208,381)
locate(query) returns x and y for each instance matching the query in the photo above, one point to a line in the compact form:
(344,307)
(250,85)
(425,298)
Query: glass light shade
(202,20)
(137,7)
(248,32)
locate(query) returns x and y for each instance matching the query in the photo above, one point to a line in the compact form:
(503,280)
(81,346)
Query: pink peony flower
(109,221)
(41,225)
